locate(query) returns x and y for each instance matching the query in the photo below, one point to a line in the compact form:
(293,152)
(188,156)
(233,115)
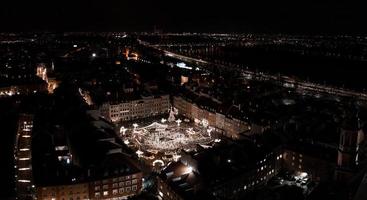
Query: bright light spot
(303,174)
(24,149)
(183,66)
(189,170)
(94,55)
(24,181)
(217,140)
(139,153)
(126,142)
(75,46)
(229,160)
(123,130)
(158,161)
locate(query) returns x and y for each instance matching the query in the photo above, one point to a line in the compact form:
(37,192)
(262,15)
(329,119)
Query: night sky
(178,16)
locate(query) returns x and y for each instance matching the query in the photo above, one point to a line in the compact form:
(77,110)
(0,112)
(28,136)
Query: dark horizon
(188,16)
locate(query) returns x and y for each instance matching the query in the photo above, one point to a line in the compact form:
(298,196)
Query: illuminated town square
(162,141)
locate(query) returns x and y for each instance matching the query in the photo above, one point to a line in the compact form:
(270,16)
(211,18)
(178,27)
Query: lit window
(105,193)
(114,192)
(97,194)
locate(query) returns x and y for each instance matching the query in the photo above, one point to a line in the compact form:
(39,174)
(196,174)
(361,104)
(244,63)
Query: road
(300,85)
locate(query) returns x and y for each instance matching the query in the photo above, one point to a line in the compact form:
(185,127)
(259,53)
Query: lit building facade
(117,187)
(23,158)
(178,183)
(136,109)
(114,188)
(230,126)
(317,168)
(351,136)
(165,192)
(64,192)
(23,89)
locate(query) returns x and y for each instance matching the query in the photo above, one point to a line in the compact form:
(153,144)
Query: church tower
(351,136)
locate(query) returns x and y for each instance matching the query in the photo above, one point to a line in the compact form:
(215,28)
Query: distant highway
(300,86)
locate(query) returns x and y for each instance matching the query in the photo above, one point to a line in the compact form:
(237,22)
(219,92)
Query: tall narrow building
(351,136)
(23,158)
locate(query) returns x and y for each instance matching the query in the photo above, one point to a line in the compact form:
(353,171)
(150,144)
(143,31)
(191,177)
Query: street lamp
(123,130)
(178,122)
(135,125)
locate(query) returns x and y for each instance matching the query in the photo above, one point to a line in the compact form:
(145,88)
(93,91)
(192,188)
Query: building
(23,88)
(93,165)
(223,172)
(165,192)
(229,121)
(116,188)
(318,162)
(23,158)
(20,78)
(137,108)
(64,192)
(351,136)
(47,76)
